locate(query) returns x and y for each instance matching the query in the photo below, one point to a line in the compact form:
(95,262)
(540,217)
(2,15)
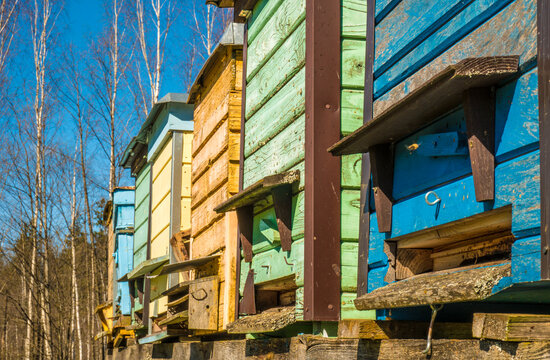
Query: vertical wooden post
(479,110)
(543,48)
(248,303)
(245,217)
(241,170)
(381,160)
(282,202)
(147,281)
(175,198)
(322,171)
(364,215)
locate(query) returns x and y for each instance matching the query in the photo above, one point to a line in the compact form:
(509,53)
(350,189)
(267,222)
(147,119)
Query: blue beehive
(452,213)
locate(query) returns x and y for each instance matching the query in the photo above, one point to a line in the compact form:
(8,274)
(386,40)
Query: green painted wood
(142,184)
(299,303)
(349,254)
(283,108)
(141,215)
(349,312)
(351,171)
(354,18)
(353,63)
(352,110)
(276,30)
(140,254)
(350,214)
(266,235)
(276,72)
(285,150)
(263,11)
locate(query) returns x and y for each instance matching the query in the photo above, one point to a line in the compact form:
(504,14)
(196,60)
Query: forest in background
(67,111)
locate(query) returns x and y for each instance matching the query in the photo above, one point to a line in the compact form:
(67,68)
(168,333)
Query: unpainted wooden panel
(208,154)
(282,152)
(214,238)
(203,304)
(515,26)
(279,111)
(211,180)
(276,30)
(204,215)
(280,68)
(474,15)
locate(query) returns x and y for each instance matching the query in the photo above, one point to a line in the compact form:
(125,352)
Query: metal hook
(430,330)
(432,203)
(197,297)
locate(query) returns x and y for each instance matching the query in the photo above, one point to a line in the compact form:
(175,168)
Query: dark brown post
(381,162)
(322,171)
(245,217)
(282,202)
(364,216)
(543,17)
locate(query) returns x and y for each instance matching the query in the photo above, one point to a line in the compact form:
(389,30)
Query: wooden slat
(381,160)
(436,288)
(177,289)
(187,265)
(511,327)
(479,111)
(282,202)
(543,59)
(245,217)
(175,319)
(383,330)
(247,305)
(181,300)
(436,96)
(268,321)
(258,191)
(147,266)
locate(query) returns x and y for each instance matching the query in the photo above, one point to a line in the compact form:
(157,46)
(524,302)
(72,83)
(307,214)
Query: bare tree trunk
(76,306)
(30,291)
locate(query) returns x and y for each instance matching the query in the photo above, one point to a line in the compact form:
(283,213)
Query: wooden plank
(519,33)
(258,191)
(410,262)
(177,212)
(475,14)
(543,61)
(211,240)
(277,71)
(211,180)
(351,212)
(204,215)
(511,327)
(268,321)
(223,139)
(436,288)
(381,161)
(178,301)
(187,264)
(282,202)
(348,311)
(322,172)
(353,63)
(175,319)
(354,15)
(260,17)
(247,306)
(352,110)
(288,16)
(279,111)
(245,217)
(479,108)
(444,90)
(147,267)
(394,329)
(281,153)
(348,266)
(203,304)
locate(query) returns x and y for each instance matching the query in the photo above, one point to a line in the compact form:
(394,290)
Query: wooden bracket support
(381,160)
(282,202)
(245,217)
(479,110)
(247,305)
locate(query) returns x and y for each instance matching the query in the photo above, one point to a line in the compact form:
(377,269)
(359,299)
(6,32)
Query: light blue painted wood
(415,172)
(383,8)
(173,117)
(410,23)
(124,217)
(454,30)
(123,197)
(517,182)
(515,29)
(442,144)
(125,252)
(517,116)
(526,259)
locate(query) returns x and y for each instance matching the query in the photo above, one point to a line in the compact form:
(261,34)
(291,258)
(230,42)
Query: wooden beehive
(216,94)
(452,132)
(297,206)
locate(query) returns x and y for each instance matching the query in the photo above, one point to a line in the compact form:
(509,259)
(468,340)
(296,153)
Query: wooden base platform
(317,348)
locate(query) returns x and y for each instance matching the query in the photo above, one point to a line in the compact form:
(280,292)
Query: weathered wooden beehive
(165,140)
(216,95)
(451,138)
(298,207)
(118,215)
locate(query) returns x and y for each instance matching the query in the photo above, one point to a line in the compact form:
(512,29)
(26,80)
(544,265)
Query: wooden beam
(364,215)
(322,171)
(381,160)
(412,262)
(282,202)
(245,217)
(268,321)
(175,198)
(511,327)
(392,329)
(449,286)
(479,110)
(247,305)
(435,97)
(543,59)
